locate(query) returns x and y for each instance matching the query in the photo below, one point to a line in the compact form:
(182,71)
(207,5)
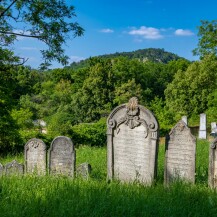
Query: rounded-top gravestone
(132,143)
(62,157)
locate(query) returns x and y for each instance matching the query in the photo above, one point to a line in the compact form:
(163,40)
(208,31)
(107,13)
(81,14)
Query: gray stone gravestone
(212,180)
(1,169)
(132,143)
(202,130)
(180,154)
(35,157)
(14,168)
(62,157)
(83,170)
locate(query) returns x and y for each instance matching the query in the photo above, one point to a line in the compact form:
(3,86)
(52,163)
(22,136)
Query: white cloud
(76,58)
(146,32)
(107,30)
(183,32)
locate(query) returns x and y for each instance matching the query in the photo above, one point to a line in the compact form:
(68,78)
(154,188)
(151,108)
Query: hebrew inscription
(180,154)
(132,143)
(35,157)
(62,157)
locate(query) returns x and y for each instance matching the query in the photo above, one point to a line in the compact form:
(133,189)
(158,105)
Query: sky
(126,25)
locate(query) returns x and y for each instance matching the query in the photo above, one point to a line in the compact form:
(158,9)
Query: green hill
(149,54)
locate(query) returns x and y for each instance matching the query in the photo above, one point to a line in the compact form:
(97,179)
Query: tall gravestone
(35,156)
(132,143)
(180,154)
(14,168)
(185,119)
(1,169)
(212,180)
(62,157)
(202,130)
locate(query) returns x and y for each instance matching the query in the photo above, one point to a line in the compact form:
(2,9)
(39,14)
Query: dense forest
(75,101)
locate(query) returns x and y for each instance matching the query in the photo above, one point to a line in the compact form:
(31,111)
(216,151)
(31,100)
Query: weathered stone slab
(202,130)
(83,170)
(212,180)
(62,157)
(35,157)
(185,119)
(180,154)
(14,168)
(1,169)
(132,143)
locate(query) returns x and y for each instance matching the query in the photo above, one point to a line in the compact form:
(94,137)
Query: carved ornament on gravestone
(212,180)
(14,168)
(180,154)
(62,157)
(35,156)
(132,143)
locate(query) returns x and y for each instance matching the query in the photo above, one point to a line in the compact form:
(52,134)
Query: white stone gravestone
(202,130)
(132,143)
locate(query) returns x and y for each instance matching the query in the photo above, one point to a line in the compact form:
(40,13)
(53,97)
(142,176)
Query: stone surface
(185,119)
(83,170)
(180,154)
(132,143)
(202,130)
(14,168)
(213,164)
(62,157)
(35,157)
(1,169)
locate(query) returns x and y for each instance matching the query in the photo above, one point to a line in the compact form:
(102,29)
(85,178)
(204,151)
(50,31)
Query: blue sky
(126,25)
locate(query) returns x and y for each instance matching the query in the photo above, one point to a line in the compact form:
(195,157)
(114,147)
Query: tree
(49,21)
(207,34)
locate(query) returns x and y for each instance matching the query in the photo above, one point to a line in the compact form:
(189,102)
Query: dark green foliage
(93,134)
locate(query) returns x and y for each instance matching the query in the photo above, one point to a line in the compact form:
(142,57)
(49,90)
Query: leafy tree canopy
(50,21)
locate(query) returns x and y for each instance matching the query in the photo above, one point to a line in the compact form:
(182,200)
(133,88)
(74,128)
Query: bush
(93,134)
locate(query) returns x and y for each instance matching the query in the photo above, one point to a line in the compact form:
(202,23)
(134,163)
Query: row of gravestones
(61,159)
(132,150)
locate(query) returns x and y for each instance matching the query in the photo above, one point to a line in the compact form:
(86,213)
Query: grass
(61,196)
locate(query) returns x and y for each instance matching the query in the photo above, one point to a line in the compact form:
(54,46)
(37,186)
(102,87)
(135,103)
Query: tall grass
(61,196)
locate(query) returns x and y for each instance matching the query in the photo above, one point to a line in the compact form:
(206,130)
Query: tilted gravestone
(180,154)
(35,156)
(1,169)
(14,168)
(213,164)
(132,143)
(62,157)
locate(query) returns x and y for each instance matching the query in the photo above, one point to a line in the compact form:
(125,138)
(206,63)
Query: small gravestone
(202,130)
(180,154)
(62,157)
(213,164)
(14,168)
(35,157)
(132,143)
(1,169)
(185,119)
(83,170)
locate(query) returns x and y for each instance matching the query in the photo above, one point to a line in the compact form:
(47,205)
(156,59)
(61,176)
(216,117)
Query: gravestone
(185,119)
(213,129)
(35,157)
(202,130)
(62,157)
(213,164)
(14,168)
(1,169)
(83,170)
(180,154)
(132,143)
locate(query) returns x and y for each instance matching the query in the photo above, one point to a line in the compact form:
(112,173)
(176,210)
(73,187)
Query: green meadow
(61,196)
